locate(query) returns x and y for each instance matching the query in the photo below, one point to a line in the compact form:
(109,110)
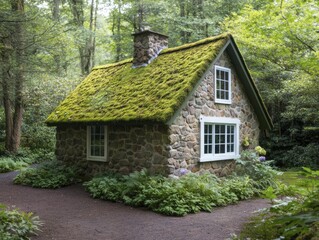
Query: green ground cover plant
(17,225)
(190,193)
(52,174)
(290,217)
(8,164)
(261,172)
(21,160)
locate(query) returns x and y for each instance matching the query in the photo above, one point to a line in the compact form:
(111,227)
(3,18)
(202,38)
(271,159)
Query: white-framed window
(97,143)
(219,138)
(222,85)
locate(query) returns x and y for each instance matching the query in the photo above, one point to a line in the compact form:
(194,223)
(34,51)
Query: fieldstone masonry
(147,45)
(165,149)
(130,148)
(184,133)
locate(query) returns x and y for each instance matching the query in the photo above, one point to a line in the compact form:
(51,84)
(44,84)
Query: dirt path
(69,213)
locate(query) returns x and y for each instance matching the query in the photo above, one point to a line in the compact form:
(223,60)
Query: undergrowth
(52,174)
(190,193)
(21,160)
(17,225)
(290,217)
(8,165)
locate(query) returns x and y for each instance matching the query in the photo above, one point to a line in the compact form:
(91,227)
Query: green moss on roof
(118,92)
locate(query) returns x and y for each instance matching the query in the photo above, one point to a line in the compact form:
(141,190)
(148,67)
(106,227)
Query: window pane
(222,128)
(208,138)
(216,128)
(222,148)
(217,149)
(218,74)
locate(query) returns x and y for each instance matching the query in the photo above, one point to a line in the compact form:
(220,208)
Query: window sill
(218,158)
(221,101)
(96,159)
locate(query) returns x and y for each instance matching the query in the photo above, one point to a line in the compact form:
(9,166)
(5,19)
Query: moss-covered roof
(118,92)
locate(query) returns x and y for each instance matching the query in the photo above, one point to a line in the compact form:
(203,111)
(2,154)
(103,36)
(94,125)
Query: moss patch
(118,92)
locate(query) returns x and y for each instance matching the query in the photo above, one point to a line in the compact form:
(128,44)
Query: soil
(69,213)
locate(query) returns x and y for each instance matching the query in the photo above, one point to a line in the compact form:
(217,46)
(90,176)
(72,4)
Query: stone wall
(71,143)
(130,148)
(184,148)
(147,46)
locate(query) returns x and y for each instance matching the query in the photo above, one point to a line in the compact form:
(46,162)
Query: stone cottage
(166,109)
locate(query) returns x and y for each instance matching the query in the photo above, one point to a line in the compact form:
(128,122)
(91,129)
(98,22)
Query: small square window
(222,85)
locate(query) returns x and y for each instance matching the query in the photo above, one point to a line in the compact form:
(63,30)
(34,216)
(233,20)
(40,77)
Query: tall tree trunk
(56,18)
(116,30)
(94,31)
(18,45)
(78,16)
(185,8)
(182,15)
(6,61)
(85,49)
(56,10)
(13,77)
(118,34)
(140,16)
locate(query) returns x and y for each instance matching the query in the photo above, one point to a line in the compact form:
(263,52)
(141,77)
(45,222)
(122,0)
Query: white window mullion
(222,82)
(233,125)
(214,142)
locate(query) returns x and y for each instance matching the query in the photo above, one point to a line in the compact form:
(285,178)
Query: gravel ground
(69,213)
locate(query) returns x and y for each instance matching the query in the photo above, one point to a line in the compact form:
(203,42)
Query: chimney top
(147,46)
(149,32)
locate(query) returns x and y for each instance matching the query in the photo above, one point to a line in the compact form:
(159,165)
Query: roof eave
(251,89)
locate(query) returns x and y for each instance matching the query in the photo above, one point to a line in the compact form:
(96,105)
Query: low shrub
(292,218)
(8,165)
(25,157)
(300,156)
(52,174)
(17,225)
(259,171)
(189,194)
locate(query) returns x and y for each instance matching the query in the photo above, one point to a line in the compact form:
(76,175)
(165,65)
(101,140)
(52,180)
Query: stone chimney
(147,46)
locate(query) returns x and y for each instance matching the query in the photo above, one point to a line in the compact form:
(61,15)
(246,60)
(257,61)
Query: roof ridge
(195,44)
(170,50)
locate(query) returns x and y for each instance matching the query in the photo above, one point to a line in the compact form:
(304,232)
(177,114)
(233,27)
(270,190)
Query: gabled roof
(119,93)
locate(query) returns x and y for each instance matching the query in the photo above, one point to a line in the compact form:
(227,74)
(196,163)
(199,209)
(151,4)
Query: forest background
(48,47)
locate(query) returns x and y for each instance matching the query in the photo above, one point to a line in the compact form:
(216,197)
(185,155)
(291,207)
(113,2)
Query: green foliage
(246,142)
(17,225)
(312,179)
(300,156)
(23,159)
(8,165)
(293,218)
(189,194)
(269,193)
(283,37)
(261,172)
(53,174)
(260,150)
(42,95)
